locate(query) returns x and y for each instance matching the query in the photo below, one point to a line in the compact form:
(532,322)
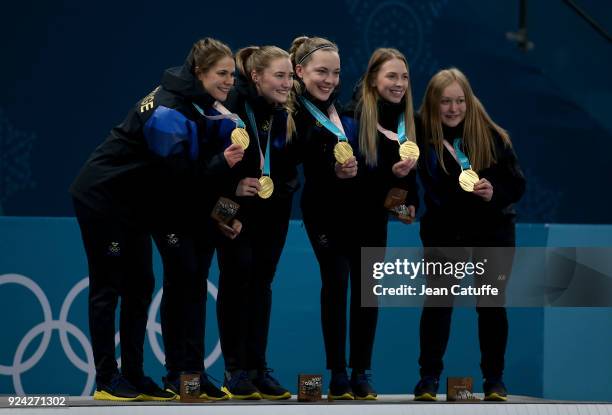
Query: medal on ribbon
(342,150)
(407,149)
(239,134)
(468,177)
(266,182)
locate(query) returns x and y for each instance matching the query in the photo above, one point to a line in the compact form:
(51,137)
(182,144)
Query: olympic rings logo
(64,327)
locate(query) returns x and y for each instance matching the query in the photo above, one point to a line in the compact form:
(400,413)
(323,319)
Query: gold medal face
(467,179)
(240,137)
(409,150)
(267,187)
(343,151)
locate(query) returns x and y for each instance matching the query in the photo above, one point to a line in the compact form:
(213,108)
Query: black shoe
(150,391)
(361,383)
(426,389)
(238,386)
(117,389)
(208,390)
(340,387)
(267,385)
(494,390)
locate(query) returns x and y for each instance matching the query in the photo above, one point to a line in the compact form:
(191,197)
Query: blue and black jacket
(163,166)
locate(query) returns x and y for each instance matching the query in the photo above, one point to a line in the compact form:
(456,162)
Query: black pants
(120,266)
(186,260)
(435,321)
(247,266)
(338,253)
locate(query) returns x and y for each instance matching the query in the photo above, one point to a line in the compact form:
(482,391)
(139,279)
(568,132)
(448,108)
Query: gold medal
(343,151)
(240,137)
(409,150)
(467,179)
(267,187)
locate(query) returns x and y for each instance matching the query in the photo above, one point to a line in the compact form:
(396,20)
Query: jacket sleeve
(505,175)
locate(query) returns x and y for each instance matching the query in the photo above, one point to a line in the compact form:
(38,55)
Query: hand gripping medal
(467,180)
(343,151)
(241,137)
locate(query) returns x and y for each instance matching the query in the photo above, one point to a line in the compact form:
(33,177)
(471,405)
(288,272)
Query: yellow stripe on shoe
(495,397)
(425,397)
(368,397)
(285,395)
(344,397)
(105,396)
(252,396)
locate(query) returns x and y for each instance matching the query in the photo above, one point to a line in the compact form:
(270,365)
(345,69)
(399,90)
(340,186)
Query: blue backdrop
(554,353)
(71,70)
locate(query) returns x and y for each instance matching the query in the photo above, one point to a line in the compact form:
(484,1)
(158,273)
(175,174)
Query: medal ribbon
(266,159)
(325,121)
(401,131)
(462,158)
(225,114)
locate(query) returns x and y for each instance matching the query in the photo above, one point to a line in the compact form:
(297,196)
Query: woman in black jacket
(157,174)
(266,181)
(471,177)
(325,142)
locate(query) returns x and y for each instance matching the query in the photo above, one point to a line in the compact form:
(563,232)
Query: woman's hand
(484,189)
(249,186)
(230,231)
(348,169)
(233,154)
(410,217)
(402,168)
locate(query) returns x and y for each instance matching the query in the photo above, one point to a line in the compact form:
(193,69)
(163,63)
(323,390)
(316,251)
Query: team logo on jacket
(114,249)
(147,102)
(266,125)
(172,240)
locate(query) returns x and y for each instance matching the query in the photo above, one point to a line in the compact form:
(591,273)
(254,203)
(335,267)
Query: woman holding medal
(387,144)
(471,178)
(266,182)
(157,174)
(323,141)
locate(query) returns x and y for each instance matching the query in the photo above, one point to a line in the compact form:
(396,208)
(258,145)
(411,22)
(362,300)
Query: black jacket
(161,167)
(375,182)
(272,120)
(456,216)
(326,199)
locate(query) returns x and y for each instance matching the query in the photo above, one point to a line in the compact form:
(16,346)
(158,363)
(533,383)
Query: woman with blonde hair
(325,143)
(266,181)
(154,175)
(387,140)
(471,178)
